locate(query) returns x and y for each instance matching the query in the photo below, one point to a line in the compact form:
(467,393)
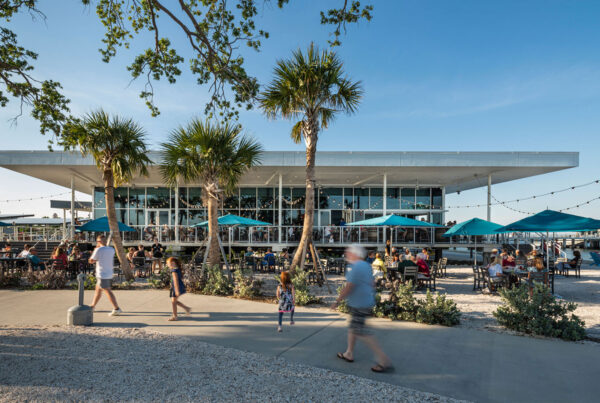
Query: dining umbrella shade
(552,221)
(474,226)
(232,219)
(3,224)
(393,220)
(101,225)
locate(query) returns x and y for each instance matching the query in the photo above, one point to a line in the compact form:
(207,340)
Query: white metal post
(280,202)
(177,214)
(72,235)
(64,231)
(489,198)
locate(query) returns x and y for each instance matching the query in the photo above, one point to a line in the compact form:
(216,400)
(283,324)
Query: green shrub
(47,279)
(402,304)
(343,305)
(89,282)
(10,280)
(437,310)
(303,295)
(125,285)
(216,282)
(194,280)
(542,314)
(161,280)
(246,286)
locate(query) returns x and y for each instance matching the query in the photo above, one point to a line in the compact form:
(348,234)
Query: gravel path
(107,364)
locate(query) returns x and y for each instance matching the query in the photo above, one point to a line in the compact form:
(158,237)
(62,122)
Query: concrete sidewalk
(461,363)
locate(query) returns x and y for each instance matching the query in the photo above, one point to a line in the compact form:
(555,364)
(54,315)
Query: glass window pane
(436,198)
(423,198)
(336,216)
(408,198)
(197,216)
(182,217)
(266,198)
(331,198)
(121,197)
(376,199)
(99,200)
(248,214)
(158,197)
(232,201)
(362,198)
(122,215)
(136,217)
(298,197)
(248,198)
(287,197)
(137,197)
(393,198)
(349,200)
(266,216)
(99,213)
(195,197)
(437,218)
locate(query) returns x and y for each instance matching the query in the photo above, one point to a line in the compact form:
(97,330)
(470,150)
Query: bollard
(80,315)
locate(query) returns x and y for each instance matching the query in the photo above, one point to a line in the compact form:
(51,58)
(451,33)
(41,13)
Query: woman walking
(287,298)
(177,287)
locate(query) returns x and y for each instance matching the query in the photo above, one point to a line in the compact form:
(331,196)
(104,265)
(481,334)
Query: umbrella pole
(475,254)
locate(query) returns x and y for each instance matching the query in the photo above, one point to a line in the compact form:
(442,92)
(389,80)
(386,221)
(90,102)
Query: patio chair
(493,283)
(596,258)
(442,267)
(429,280)
(56,264)
(478,279)
(411,273)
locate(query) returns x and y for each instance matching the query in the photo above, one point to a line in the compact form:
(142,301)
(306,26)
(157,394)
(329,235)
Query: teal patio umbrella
(552,221)
(101,225)
(474,227)
(3,224)
(393,220)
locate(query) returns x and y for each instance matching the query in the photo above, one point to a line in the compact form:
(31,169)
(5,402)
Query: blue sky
(438,75)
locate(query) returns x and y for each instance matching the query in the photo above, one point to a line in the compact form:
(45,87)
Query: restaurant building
(352,186)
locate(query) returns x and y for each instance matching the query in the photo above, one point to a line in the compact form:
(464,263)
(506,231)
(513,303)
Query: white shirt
(104,257)
(494,270)
(422,256)
(24,253)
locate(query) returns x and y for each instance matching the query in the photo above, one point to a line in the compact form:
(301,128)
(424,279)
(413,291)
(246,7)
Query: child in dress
(287,297)
(177,287)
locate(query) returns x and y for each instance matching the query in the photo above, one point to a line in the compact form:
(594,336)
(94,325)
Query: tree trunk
(214,253)
(111,214)
(309,211)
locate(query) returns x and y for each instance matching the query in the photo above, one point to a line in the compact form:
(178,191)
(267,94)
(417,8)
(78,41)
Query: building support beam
(385,230)
(280,204)
(489,198)
(72,234)
(177,213)
(64,227)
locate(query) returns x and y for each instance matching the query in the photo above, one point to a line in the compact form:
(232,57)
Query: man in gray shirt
(359,293)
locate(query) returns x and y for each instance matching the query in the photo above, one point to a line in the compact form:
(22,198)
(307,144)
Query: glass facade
(144,206)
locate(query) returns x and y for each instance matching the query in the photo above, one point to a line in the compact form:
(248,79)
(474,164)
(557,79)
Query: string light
(34,198)
(580,204)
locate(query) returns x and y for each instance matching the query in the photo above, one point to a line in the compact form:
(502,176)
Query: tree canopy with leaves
(216,32)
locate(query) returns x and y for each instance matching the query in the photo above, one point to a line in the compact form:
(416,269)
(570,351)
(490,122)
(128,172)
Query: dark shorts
(358,317)
(105,284)
(172,292)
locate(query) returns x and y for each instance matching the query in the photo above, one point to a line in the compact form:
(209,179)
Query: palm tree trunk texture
(111,214)
(309,212)
(214,253)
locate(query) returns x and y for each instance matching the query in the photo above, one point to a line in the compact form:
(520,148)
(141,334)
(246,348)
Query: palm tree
(312,89)
(117,145)
(215,155)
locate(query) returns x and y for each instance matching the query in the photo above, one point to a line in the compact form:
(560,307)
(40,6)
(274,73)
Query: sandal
(382,368)
(188,311)
(172,319)
(341,356)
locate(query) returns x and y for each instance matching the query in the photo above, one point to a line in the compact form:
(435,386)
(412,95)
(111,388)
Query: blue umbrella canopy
(101,225)
(3,224)
(393,220)
(552,221)
(474,226)
(231,219)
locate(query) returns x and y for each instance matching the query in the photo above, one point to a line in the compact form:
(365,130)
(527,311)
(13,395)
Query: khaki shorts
(105,284)
(358,317)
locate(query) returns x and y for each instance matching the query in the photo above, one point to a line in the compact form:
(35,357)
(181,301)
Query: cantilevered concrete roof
(454,170)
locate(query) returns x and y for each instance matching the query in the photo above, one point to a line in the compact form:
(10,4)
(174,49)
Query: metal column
(489,198)
(64,231)
(280,202)
(72,235)
(177,213)
(385,206)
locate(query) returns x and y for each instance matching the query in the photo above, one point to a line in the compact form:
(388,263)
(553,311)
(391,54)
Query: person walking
(359,293)
(103,256)
(287,298)
(177,287)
